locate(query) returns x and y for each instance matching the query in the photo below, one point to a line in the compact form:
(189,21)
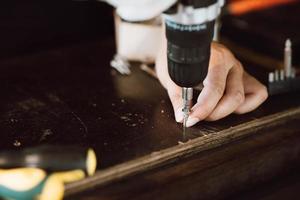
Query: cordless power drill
(189,30)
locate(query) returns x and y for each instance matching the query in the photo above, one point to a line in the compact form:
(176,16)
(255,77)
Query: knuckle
(206,110)
(239,67)
(226,53)
(222,53)
(219,51)
(219,88)
(202,112)
(263,93)
(216,87)
(239,97)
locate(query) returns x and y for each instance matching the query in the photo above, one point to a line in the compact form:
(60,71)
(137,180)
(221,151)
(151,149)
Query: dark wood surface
(281,187)
(70,95)
(218,173)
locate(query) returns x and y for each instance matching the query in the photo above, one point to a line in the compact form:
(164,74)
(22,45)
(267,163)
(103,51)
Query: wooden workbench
(70,95)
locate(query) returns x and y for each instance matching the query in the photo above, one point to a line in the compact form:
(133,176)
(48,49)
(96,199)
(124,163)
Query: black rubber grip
(189,73)
(188,53)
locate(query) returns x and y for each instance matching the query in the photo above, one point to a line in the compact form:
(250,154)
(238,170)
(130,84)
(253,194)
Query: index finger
(214,87)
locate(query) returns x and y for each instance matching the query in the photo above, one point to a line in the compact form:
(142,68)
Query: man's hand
(227,87)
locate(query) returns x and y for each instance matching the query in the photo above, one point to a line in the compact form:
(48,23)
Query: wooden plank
(170,155)
(245,164)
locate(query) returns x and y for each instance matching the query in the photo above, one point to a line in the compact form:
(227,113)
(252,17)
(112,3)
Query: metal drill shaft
(187,97)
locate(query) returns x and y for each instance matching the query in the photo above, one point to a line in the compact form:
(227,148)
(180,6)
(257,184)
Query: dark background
(29,26)
(265,31)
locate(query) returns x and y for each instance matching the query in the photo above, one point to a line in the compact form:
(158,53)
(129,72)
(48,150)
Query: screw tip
(288,43)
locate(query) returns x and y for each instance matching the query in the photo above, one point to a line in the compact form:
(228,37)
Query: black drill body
(188,48)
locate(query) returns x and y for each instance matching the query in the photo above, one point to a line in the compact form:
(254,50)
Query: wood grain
(170,155)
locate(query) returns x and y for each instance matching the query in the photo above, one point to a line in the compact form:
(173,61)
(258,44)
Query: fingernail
(191,121)
(179,115)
